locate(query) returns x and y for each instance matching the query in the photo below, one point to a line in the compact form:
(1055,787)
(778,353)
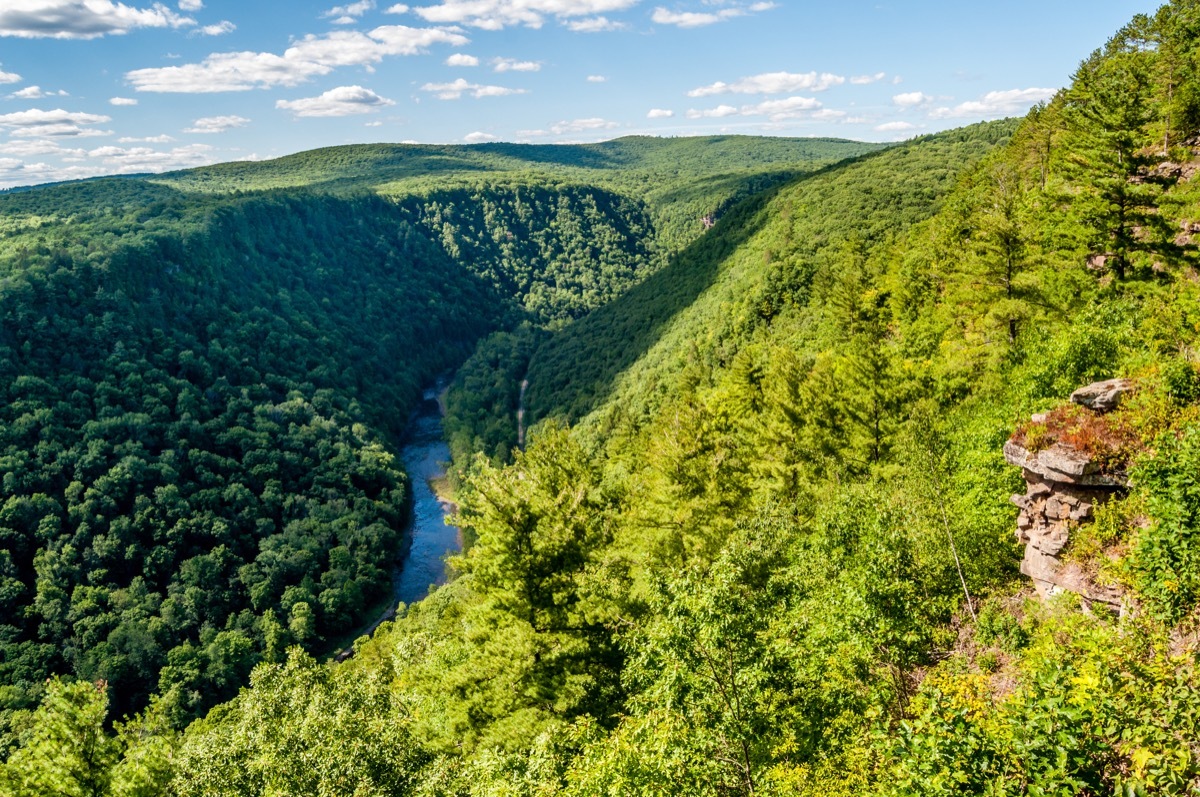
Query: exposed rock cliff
(1064,486)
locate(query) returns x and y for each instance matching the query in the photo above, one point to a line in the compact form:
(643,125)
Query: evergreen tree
(1109,106)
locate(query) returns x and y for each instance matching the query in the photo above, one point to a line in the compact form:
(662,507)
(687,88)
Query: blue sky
(93,87)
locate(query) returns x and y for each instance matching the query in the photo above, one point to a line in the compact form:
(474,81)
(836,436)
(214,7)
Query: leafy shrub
(996,626)
(1166,556)
(1181,380)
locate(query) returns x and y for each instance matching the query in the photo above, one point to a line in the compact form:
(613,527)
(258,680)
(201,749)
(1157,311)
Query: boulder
(1103,396)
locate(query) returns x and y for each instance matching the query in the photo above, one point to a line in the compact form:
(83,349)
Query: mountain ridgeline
(760,538)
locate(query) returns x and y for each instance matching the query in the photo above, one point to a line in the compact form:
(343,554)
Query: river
(428,538)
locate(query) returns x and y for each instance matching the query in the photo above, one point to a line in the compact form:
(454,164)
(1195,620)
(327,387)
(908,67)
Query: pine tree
(1109,109)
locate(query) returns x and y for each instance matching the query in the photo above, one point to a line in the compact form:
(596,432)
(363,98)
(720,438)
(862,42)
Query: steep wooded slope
(761,260)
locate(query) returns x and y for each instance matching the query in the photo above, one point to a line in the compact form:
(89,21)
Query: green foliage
(534,528)
(203,392)
(559,251)
(1108,111)
(1097,711)
(64,748)
(681,180)
(196,431)
(995,626)
(302,728)
(1166,559)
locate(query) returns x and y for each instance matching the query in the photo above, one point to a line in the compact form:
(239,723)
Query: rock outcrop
(1103,396)
(1063,487)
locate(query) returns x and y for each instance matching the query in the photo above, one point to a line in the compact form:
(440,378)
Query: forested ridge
(760,540)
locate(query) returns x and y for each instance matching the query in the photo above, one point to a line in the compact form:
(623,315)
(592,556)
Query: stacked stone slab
(1063,487)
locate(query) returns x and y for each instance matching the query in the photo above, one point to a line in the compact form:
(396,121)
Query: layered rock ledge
(1064,485)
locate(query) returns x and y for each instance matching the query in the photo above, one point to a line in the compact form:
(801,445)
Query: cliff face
(1064,485)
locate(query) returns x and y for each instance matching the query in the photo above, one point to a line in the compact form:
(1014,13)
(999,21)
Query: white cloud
(863,80)
(191,5)
(690,19)
(348,14)
(305,59)
(133,160)
(581,125)
(342,101)
(375,123)
(478,137)
(36,123)
(9,77)
(828,115)
(60,130)
(912,99)
(498,14)
(36,93)
(772,83)
(462,59)
(399,8)
(713,113)
(594,25)
(775,110)
(660,113)
(513,65)
(697,19)
(13,172)
(351,48)
(219,29)
(122,101)
(163,139)
(452,91)
(24,148)
(895,127)
(995,104)
(81,19)
(217,124)
(570,126)
(227,72)
(597,79)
